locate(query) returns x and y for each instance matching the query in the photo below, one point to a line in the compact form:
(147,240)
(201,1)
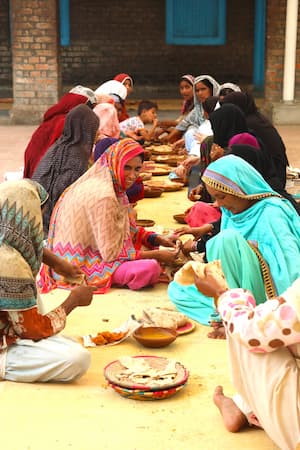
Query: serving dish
(155,337)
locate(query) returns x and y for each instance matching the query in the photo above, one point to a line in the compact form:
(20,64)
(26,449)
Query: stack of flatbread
(139,371)
(163,317)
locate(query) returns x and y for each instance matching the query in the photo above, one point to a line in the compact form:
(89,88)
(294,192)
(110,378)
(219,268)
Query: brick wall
(35,57)
(111,37)
(5,50)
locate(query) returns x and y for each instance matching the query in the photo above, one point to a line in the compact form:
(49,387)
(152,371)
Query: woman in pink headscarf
(109,123)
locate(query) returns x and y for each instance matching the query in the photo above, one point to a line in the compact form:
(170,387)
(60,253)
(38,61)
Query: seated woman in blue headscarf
(259,239)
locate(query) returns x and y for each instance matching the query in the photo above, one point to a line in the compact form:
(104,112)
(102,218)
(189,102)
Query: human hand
(170,240)
(168,257)
(216,152)
(83,295)
(183,230)
(195,193)
(68,270)
(188,247)
(190,161)
(178,145)
(180,171)
(199,137)
(212,284)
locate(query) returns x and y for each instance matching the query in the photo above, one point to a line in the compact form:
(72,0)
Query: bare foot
(217,333)
(233,417)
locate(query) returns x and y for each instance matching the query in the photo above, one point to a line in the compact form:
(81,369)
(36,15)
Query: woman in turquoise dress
(259,240)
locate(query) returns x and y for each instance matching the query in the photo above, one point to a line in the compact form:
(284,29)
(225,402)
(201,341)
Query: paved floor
(14,139)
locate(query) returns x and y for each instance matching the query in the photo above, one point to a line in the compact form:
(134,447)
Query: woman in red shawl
(125,79)
(49,130)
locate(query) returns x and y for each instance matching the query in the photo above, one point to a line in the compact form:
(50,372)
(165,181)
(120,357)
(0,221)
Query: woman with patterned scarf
(259,240)
(30,347)
(92,225)
(67,159)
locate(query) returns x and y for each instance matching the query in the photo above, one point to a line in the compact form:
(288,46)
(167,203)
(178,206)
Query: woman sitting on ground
(263,129)
(259,240)
(186,91)
(52,126)
(264,350)
(92,225)
(30,347)
(68,158)
(204,86)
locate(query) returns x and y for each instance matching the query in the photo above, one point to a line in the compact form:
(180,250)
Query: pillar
(35,57)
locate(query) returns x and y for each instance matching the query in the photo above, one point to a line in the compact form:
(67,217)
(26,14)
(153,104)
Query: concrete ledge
(286,113)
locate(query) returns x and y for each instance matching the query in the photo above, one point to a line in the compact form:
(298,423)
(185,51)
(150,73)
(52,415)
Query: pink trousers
(137,274)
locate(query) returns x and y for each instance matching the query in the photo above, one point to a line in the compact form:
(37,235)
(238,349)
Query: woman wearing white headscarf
(204,86)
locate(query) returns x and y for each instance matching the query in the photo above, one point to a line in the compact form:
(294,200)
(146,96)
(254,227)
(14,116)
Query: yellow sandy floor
(88,415)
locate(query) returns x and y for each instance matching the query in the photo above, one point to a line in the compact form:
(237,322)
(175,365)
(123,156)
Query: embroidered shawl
(21,242)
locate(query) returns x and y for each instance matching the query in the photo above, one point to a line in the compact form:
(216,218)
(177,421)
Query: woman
(262,162)
(226,122)
(227,88)
(259,240)
(263,129)
(108,121)
(263,347)
(127,81)
(49,130)
(186,90)
(68,158)
(92,225)
(117,91)
(30,347)
(204,87)
(137,190)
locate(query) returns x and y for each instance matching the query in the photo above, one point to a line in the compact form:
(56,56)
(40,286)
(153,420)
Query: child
(134,127)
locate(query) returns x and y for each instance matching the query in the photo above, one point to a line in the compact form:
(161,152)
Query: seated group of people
(79,203)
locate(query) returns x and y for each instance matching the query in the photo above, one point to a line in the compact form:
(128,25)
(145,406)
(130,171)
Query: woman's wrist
(218,295)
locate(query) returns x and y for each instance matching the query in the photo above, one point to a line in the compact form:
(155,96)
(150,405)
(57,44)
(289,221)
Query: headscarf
(242,99)
(188,105)
(226,122)
(271,223)
(122,77)
(196,116)
(230,86)
(68,158)
(262,128)
(112,87)
(49,131)
(232,175)
(87,92)
(103,145)
(21,242)
(90,224)
(117,156)
(136,191)
(244,139)
(262,162)
(108,118)
(215,87)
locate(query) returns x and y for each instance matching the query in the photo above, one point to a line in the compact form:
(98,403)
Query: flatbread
(164,318)
(186,274)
